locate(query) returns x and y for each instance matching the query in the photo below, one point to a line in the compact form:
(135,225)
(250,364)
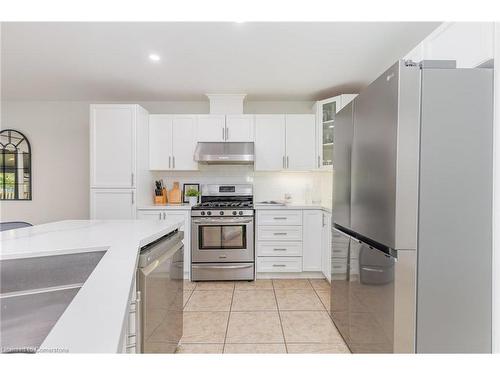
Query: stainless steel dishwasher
(160,276)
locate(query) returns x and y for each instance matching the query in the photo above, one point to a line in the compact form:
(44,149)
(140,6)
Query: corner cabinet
(325,122)
(284,142)
(172,141)
(118,139)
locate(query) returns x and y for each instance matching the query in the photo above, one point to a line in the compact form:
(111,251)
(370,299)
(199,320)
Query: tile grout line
(317,295)
(279,317)
(228,318)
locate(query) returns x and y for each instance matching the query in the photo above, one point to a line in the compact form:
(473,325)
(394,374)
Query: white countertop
(94,320)
(292,206)
(182,206)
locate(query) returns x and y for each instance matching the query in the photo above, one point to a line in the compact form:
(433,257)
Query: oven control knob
(202,213)
(209,213)
(234,212)
(240,213)
(221,213)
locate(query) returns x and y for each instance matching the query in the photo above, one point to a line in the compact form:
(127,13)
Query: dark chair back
(13,225)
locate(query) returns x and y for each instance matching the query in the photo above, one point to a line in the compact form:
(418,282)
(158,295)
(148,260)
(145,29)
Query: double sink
(34,292)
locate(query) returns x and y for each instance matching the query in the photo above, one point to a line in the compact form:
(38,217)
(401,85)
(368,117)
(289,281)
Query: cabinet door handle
(279,265)
(159,214)
(223,134)
(284,165)
(278,249)
(173,162)
(280,218)
(133,200)
(169,162)
(227,134)
(287,162)
(279,233)
(323,220)
(132,178)
(164,215)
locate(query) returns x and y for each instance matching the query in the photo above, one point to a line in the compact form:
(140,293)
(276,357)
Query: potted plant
(192,195)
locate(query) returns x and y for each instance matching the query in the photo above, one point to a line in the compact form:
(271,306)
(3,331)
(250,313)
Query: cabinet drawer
(279,217)
(279,233)
(279,249)
(279,264)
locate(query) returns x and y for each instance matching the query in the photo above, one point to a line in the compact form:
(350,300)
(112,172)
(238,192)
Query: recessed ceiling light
(154,57)
(239,21)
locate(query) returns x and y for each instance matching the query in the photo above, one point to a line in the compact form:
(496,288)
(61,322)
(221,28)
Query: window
(15,166)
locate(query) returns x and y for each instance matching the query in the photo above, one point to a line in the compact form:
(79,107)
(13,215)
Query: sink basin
(34,292)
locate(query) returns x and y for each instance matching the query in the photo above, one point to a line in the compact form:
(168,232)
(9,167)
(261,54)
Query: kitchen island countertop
(93,322)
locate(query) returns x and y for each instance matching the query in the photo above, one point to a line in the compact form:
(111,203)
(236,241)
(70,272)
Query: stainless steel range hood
(225,152)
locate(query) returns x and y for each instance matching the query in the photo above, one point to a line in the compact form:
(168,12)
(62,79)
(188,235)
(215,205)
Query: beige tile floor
(264,316)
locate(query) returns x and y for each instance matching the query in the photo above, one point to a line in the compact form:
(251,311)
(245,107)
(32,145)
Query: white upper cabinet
(113,145)
(325,123)
(172,141)
(300,140)
(184,143)
(160,142)
(269,142)
(239,128)
(313,222)
(284,142)
(211,128)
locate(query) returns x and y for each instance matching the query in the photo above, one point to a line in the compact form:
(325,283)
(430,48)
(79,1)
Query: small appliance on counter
(222,239)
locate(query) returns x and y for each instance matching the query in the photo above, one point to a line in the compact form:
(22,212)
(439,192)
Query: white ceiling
(268,61)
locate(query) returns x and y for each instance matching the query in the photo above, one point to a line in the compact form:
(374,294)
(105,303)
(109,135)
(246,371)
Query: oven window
(222,237)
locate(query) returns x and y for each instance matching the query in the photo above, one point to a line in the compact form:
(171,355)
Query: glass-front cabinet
(325,123)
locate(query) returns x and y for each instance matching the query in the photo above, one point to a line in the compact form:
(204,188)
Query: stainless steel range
(222,225)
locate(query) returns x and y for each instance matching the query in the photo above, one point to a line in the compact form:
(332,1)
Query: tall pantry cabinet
(118,160)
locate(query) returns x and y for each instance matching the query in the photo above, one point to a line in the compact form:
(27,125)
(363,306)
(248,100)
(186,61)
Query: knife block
(161,199)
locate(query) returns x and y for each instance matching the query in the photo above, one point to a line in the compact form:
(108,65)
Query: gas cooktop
(225,200)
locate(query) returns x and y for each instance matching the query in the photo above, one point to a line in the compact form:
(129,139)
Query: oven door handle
(222,266)
(222,221)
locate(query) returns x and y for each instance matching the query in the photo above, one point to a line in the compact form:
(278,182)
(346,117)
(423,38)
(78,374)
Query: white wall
(469,43)
(304,187)
(59,136)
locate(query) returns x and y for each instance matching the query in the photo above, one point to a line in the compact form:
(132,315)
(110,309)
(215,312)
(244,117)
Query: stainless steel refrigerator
(412,215)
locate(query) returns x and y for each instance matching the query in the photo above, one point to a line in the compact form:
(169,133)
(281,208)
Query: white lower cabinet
(291,240)
(164,214)
(313,222)
(112,204)
(279,264)
(273,249)
(326,246)
(279,233)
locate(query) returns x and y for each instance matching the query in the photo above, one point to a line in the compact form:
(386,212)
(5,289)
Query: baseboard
(290,275)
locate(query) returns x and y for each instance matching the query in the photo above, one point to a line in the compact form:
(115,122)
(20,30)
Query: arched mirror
(15,166)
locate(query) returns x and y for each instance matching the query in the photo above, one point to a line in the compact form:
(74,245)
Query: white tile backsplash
(304,187)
